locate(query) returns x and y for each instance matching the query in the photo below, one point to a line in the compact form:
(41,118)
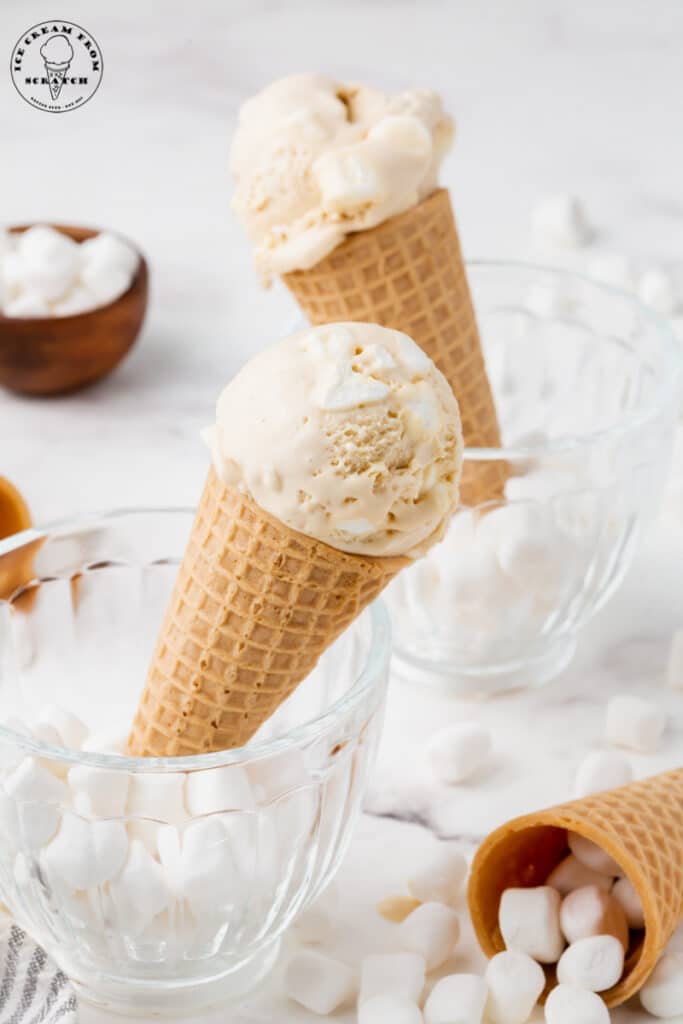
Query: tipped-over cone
(639,825)
(408,273)
(254,606)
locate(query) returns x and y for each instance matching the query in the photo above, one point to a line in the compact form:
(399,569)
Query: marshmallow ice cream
(347,433)
(315,159)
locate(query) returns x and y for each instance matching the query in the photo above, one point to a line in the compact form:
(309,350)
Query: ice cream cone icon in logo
(57,54)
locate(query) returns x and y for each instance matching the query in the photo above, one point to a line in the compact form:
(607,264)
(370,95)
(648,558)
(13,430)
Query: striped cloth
(32,989)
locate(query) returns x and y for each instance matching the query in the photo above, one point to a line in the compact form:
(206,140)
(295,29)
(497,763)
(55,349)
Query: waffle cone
(639,825)
(254,606)
(408,273)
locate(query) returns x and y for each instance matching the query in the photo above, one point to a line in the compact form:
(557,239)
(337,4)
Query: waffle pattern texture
(408,273)
(254,606)
(640,825)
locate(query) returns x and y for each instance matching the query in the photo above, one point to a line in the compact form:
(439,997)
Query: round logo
(56,66)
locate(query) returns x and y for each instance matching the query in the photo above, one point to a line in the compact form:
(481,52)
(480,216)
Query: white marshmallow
(158,797)
(27,303)
(591,911)
(432,931)
(593,856)
(629,900)
(209,878)
(140,892)
(569,1005)
(398,974)
(105,743)
(457,999)
(601,770)
(389,1009)
(635,723)
(515,984)
(84,854)
(656,288)
(105,284)
(318,982)
(31,782)
(316,923)
(49,262)
(76,300)
(571,874)
(218,789)
(459,751)
(595,964)
(12,275)
(674,669)
(546,299)
(530,922)
(612,268)
(107,251)
(560,221)
(662,993)
(70,728)
(107,791)
(440,877)
(271,777)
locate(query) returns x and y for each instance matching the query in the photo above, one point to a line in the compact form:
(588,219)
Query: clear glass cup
(161,885)
(586,383)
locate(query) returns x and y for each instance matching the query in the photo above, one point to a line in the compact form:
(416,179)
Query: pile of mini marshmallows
(44,273)
(580,920)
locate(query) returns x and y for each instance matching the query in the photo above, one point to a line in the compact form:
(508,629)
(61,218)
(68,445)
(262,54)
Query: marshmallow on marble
(571,874)
(662,993)
(602,770)
(529,922)
(593,856)
(158,797)
(596,963)
(458,752)
(457,999)
(568,1004)
(68,726)
(635,723)
(432,931)
(140,892)
(319,983)
(591,911)
(389,1009)
(657,289)
(560,221)
(107,790)
(219,789)
(401,974)
(440,877)
(674,669)
(316,922)
(626,896)
(84,854)
(515,983)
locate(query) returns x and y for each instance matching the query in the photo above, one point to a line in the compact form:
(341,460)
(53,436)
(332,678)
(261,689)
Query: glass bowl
(585,381)
(161,885)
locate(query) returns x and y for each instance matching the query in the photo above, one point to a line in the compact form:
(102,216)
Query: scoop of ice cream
(57,50)
(347,433)
(314,159)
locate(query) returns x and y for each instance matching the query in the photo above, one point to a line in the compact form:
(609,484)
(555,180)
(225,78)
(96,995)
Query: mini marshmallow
(635,723)
(28,303)
(674,669)
(595,964)
(389,1009)
(37,796)
(397,908)
(105,284)
(271,777)
(545,299)
(662,993)
(84,854)
(560,221)
(49,261)
(107,791)
(76,300)
(571,874)
(209,878)
(158,797)
(218,789)
(316,922)
(459,751)
(70,728)
(629,900)
(602,770)
(107,251)
(530,922)
(105,743)
(569,1005)
(515,983)
(612,268)
(457,999)
(318,982)
(140,892)
(591,911)
(593,856)
(432,931)
(656,288)
(440,878)
(401,974)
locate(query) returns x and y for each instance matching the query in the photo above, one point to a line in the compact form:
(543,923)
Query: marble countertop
(548,97)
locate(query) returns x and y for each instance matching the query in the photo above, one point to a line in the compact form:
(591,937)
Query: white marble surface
(548,96)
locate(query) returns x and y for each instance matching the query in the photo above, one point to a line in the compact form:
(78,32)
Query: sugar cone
(254,606)
(639,825)
(408,273)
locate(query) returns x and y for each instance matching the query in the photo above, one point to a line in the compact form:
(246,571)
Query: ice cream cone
(408,273)
(254,606)
(55,77)
(639,825)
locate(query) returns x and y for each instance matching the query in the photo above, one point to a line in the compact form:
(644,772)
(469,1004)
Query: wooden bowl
(53,355)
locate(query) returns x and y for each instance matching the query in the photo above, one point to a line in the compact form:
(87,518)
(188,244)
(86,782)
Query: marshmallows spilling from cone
(44,273)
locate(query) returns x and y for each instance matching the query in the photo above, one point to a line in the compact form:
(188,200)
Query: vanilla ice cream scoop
(57,50)
(314,159)
(347,433)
